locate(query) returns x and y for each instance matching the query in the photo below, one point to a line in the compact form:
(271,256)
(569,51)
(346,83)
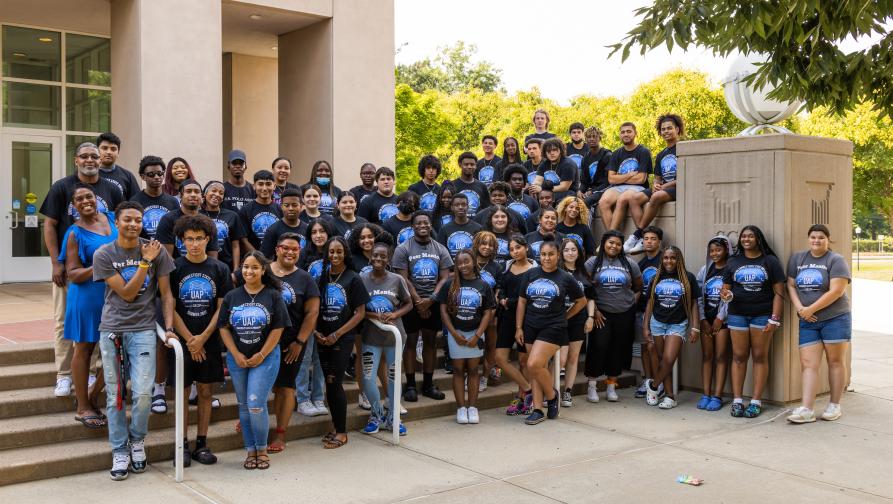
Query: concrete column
(781,183)
(336,91)
(166,90)
(250,108)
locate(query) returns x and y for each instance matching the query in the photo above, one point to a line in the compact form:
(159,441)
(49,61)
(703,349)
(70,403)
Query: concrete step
(92,453)
(26,353)
(25,376)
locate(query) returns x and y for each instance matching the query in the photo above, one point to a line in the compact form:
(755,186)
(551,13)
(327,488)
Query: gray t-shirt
(813,278)
(385,296)
(614,283)
(138,315)
(423,263)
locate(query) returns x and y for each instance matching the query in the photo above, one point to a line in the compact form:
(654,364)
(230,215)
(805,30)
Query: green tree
(451,71)
(422,127)
(800,38)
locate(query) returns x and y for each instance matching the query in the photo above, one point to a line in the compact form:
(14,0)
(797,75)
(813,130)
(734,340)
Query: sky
(518,35)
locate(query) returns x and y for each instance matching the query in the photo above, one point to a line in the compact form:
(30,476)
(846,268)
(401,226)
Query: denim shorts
(743,322)
(838,329)
(662,329)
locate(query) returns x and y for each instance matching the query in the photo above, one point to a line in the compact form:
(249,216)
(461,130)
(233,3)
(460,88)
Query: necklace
(430,188)
(337,277)
(252,296)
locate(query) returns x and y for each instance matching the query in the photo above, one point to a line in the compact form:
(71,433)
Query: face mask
(323,181)
(406,208)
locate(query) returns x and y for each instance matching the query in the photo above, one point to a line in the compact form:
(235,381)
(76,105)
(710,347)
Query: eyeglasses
(88,156)
(154,174)
(192,239)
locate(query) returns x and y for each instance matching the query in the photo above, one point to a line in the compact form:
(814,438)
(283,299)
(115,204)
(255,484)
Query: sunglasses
(154,174)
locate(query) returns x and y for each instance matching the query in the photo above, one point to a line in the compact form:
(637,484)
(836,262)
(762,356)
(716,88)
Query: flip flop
(98,421)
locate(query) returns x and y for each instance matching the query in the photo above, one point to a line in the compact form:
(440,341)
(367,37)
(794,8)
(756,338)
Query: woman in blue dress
(85,297)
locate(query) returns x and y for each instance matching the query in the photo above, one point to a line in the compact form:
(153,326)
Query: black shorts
(671,191)
(288,372)
(413,323)
(553,335)
(575,331)
(209,370)
(505,331)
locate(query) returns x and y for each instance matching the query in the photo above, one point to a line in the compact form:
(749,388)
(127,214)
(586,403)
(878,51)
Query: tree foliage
(800,38)
(451,71)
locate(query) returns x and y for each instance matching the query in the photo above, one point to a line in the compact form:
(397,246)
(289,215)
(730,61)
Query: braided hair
(681,275)
(453,293)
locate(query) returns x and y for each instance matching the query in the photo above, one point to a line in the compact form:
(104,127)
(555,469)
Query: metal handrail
(398,374)
(179,428)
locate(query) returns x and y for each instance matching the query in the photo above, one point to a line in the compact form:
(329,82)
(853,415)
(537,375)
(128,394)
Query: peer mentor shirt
(423,263)
(386,295)
(813,275)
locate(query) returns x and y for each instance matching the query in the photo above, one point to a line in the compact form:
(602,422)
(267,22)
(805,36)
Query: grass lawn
(874,270)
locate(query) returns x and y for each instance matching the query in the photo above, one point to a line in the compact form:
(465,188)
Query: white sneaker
(612,394)
(307,408)
(650,393)
(667,403)
(320,408)
(638,247)
(592,392)
(364,402)
(63,387)
(90,381)
(418,351)
(473,416)
(630,243)
(120,466)
(138,456)
(801,415)
(462,416)
(832,412)
(483,384)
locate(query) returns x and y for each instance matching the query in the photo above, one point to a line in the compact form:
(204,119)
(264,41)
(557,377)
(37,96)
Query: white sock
(738,400)
(756,402)
(193,392)
(159,389)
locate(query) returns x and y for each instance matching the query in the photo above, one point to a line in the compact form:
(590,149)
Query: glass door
(30,164)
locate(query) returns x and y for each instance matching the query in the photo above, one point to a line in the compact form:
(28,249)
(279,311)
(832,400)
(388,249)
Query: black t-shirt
(123,179)
(376,208)
(58,205)
(310,261)
(637,160)
(476,192)
(524,205)
(502,249)
(257,218)
(581,233)
(427,195)
(565,170)
(277,191)
(359,192)
(516,219)
(535,240)
(339,301)
(531,168)
(343,228)
(650,267)
(491,273)
(545,294)
(542,136)
(234,198)
(668,306)
(456,237)
(229,229)
(665,164)
(712,287)
(306,219)
(297,287)
(576,155)
(475,297)
(510,288)
(401,230)
(488,171)
(361,264)
(751,283)
(154,208)
(594,170)
(252,318)
(327,201)
(165,234)
(588,291)
(197,287)
(279,228)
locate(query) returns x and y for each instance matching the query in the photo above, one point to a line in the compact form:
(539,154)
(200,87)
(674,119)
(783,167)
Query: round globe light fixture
(752,105)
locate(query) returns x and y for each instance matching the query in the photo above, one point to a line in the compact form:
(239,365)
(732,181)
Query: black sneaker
(448,366)
(120,464)
(737,410)
(187,457)
(350,372)
(410,394)
(536,417)
(434,393)
(553,405)
(204,456)
(138,461)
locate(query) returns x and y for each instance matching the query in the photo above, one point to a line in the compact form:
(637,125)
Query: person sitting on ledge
(628,176)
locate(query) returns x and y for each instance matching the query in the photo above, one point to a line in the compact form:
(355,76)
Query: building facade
(305,79)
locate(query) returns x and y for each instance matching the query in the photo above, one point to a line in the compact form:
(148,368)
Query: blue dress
(83,309)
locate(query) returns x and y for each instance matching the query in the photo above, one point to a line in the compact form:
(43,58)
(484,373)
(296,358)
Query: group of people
(287,288)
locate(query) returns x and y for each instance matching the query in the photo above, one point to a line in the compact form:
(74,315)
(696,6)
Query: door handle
(15,219)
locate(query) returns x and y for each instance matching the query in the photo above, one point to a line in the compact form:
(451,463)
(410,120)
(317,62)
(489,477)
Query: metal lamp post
(858,234)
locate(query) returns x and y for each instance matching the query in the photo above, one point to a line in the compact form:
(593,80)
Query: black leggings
(333,360)
(610,347)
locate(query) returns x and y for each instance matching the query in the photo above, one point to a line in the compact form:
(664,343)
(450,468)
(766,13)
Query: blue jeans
(303,382)
(139,360)
(744,323)
(253,386)
(838,329)
(372,356)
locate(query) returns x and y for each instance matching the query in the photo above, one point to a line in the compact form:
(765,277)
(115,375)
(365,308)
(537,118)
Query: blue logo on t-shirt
(469,297)
(458,241)
(288,293)
(612,278)
(668,168)
(488,278)
(151,217)
(474,201)
(751,277)
(809,280)
(502,247)
(486,174)
(197,288)
(647,276)
(180,246)
(445,219)
(387,211)
(127,273)
(366,269)
(327,202)
(428,201)
(552,176)
(593,169)
(249,318)
(628,165)
(336,299)
(380,304)
(541,292)
(315,269)
(261,222)
(222,231)
(531,177)
(668,292)
(405,234)
(522,209)
(576,158)
(711,290)
(425,269)
(535,248)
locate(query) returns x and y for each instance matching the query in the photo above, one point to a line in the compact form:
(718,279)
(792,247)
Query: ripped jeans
(139,360)
(253,386)
(371,359)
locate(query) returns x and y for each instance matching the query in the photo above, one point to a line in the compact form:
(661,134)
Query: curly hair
(583,217)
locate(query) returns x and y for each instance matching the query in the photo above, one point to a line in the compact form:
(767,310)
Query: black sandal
(263,461)
(204,456)
(250,462)
(92,421)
